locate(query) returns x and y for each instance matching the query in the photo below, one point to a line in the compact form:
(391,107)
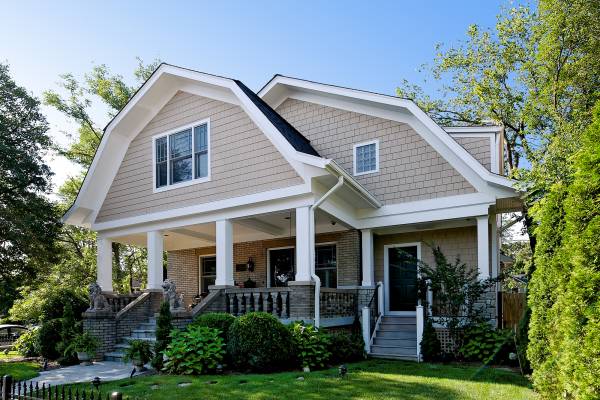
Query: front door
(401,278)
(281,266)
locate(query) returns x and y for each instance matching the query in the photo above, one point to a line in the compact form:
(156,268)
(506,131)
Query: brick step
(143,333)
(147,326)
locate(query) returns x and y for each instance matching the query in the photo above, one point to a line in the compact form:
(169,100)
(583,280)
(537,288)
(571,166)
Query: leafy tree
(28,219)
(75,100)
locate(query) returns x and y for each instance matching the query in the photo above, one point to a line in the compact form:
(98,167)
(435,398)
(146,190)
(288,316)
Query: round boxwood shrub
(217,320)
(259,342)
(49,337)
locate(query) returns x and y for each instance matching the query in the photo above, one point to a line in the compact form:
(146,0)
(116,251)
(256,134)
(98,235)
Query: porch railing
(336,303)
(120,301)
(274,301)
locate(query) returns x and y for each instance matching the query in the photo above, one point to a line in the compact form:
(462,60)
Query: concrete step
(129,338)
(394,334)
(394,350)
(378,341)
(122,346)
(147,326)
(143,333)
(114,356)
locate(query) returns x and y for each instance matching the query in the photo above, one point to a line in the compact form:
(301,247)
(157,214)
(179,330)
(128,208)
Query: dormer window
(182,156)
(366,157)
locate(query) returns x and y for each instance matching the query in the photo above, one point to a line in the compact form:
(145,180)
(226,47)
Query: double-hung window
(326,264)
(182,156)
(366,157)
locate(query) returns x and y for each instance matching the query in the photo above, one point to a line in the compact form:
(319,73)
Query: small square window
(366,158)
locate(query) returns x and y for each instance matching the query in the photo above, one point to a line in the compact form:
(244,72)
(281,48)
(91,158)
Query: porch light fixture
(250,264)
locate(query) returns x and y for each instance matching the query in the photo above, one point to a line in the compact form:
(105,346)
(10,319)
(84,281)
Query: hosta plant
(195,351)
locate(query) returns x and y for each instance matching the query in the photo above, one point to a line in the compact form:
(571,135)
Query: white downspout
(311,215)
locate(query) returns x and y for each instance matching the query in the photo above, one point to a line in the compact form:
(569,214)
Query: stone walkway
(105,370)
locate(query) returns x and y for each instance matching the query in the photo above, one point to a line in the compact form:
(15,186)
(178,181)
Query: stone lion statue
(97,299)
(170,295)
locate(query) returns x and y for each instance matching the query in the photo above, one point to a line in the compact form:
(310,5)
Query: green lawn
(19,370)
(373,379)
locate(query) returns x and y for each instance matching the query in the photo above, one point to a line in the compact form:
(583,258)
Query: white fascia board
(352,183)
(467,130)
(442,214)
(354,100)
(239,207)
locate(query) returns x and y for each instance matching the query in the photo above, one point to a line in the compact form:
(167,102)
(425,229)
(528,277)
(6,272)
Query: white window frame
(168,133)
(337,269)
(356,146)
(200,274)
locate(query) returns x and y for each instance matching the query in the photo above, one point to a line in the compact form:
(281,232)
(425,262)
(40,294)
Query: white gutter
(311,215)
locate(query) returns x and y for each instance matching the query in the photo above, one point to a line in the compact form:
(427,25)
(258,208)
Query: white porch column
(224,253)
(104,263)
(155,259)
(483,246)
(495,249)
(368,261)
(305,244)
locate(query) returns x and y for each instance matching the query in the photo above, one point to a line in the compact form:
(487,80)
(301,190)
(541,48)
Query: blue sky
(367,45)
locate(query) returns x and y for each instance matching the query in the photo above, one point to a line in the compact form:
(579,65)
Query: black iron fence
(12,390)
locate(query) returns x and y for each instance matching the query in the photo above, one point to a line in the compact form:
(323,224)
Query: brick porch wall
(183,265)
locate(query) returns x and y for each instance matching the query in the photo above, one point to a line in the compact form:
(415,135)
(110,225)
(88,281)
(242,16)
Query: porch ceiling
(258,227)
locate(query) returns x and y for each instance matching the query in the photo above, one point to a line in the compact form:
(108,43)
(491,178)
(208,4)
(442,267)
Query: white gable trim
(393,108)
(139,111)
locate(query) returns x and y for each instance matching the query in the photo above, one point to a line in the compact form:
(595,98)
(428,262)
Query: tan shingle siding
(479,148)
(243,161)
(409,169)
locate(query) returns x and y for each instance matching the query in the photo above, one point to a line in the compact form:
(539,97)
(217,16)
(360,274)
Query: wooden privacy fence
(513,307)
(11,390)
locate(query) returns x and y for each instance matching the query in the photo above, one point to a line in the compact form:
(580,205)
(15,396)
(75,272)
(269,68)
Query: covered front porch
(277,262)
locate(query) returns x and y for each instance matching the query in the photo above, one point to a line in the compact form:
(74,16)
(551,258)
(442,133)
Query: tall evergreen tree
(28,219)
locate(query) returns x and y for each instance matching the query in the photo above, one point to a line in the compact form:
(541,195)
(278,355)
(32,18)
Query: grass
(20,370)
(372,379)
(8,356)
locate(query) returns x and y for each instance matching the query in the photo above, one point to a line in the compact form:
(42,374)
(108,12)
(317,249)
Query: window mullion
(193,152)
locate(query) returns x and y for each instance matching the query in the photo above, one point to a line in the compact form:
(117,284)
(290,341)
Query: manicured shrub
(483,343)
(28,344)
(164,326)
(431,348)
(259,342)
(346,347)
(310,345)
(218,320)
(195,351)
(49,339)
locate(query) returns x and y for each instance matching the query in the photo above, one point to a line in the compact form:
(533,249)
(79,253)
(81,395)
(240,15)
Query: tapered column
(495,249)
(104,263)
(483,247)
(368,261)
(224,253)
(155,259)
(305,243)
